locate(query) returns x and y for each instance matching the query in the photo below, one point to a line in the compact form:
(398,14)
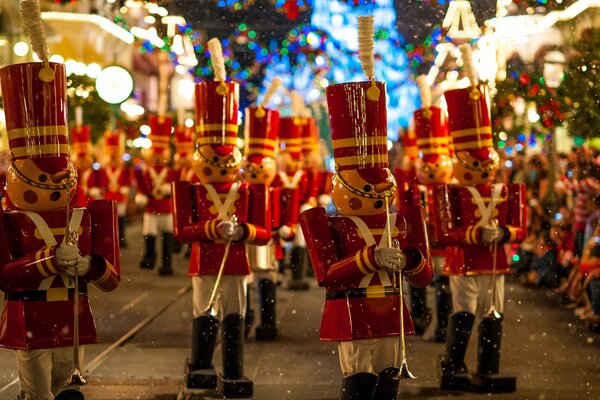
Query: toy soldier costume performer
(258,170)
(38,261)
(433,167)
(219,216)
(87,178)
(350,252)
(479,217)
(292,184)
(114,178)
(154,186)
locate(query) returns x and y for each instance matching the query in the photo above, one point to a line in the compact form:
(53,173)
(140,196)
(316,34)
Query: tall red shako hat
(184,140)
(160,132)
(358,124)
(36,114)
(217,104)
(81,143)
(409,144)
(260,133)
(310,136)
(431,128)
(113,142)
(469,114)
(290,136)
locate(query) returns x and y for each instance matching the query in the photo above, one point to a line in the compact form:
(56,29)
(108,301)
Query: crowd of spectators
(562,247)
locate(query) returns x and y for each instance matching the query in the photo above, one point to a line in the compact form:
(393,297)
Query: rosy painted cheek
(355,203)
(206,171)
(30,196)
(468,176)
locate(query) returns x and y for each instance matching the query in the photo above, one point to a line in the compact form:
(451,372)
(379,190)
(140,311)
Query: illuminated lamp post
(554,68)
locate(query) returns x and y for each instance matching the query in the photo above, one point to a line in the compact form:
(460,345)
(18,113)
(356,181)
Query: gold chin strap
(470,167)
(65,184)
(359,192)
(207,160)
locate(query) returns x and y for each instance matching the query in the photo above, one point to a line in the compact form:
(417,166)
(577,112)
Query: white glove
(238,232)
(324,200)
(285,232)
(391,259)
(165,189)
(124,190)
(141,200)
(67,255)
(226,229)
(491,234)
(95,193)
(83,266)
(305,207)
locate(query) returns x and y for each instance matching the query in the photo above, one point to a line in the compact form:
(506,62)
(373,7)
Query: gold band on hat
(432,140)
(360,141)
(475,144)
(217,140)
(217,128)
(33,131)
(39,150)
(261,151)
(482,130)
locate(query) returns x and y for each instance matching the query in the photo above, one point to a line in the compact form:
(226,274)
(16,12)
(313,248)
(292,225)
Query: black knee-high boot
(167,254)
(488,360)
(266,300)
(249,317)
(150,252)
(298,262)
(454,371)
(443,302)
(69,394)
(389,382)
(121,225)
(419,311)
(200,373)
(233,383)
(359,386)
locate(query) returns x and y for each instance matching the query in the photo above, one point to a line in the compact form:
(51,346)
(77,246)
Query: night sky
(416,18)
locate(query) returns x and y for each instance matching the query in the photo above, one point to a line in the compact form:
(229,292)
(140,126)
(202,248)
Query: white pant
(153,224)
(122,209)
(473,294)
(42,373)
(230,298)
(368,355)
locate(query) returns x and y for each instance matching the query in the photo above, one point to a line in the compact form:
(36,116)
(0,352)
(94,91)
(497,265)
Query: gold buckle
(57,294)
(375,292)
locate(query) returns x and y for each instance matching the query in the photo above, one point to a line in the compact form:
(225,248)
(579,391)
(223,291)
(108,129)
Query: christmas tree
(581,85)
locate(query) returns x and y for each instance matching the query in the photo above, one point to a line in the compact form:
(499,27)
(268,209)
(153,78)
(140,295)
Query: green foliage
(581,85)
(96,112)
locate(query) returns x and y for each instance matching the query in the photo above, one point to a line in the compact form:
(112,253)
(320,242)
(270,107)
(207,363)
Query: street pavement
(145,328)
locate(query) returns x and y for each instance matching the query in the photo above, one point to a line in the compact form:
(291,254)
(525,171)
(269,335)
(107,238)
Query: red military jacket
(405,179)
(86,180)
(361,300)
(292,191)
(197,213)
(464,210)
(423,195)
(38,306)
(112,180)
(150,181)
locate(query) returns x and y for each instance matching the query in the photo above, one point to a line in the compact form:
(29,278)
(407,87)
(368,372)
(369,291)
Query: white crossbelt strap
(113,178)
(157,180)
(486,211)
(291,184)
(50,240)
(370,241)
(222,208)
(85,177)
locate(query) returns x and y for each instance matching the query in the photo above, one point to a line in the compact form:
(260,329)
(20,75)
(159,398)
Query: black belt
(373,292)
(41,295)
